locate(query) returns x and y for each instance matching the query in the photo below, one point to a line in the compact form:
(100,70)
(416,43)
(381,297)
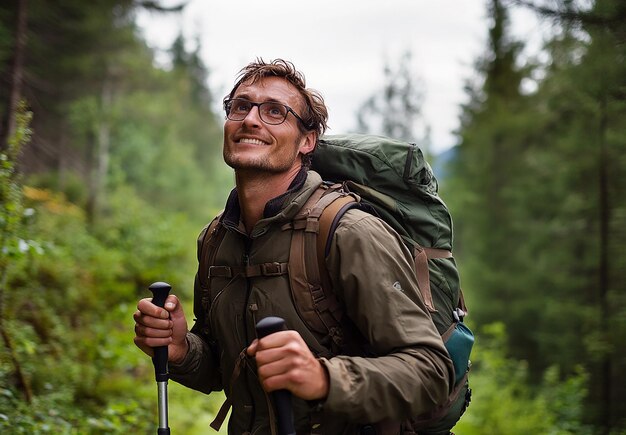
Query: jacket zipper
(246,262)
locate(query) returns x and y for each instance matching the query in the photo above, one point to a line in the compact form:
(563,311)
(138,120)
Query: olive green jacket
(371,271)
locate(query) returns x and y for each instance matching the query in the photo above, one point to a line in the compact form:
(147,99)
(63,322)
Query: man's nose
(253,117)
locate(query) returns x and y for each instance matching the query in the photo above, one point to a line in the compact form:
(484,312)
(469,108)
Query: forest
(111,164)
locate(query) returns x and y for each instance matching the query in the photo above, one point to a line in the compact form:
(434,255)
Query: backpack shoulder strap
(329,219)
(207,248)
(328,222)
(310,286)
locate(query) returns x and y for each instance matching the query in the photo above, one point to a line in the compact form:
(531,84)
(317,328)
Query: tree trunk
(603,290)
(15,74)
(100,165)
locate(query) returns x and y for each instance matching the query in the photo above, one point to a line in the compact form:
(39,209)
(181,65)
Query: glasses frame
(228,103)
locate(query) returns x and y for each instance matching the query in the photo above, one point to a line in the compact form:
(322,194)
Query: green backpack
(392,180)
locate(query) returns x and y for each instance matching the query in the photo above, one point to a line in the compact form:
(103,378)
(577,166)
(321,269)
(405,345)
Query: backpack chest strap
(250,271)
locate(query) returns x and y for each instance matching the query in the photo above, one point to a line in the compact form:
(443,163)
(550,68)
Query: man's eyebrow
(245,96)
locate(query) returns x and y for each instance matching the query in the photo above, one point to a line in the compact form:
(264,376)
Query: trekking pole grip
(282,398)
(160,291)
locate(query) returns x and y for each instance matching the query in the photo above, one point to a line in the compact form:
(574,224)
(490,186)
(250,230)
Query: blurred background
(110,164)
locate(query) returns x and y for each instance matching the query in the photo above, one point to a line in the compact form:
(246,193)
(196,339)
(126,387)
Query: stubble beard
(261,164)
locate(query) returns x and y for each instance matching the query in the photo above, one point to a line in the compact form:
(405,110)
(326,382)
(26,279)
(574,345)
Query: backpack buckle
(458,314)
(273,269)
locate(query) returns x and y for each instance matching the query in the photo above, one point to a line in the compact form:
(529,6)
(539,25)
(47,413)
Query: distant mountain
(441,162)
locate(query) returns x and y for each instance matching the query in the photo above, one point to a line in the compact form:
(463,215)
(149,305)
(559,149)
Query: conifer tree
(538,182)
(396,110)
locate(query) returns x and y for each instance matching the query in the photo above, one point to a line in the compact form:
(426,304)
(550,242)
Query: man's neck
(255,189)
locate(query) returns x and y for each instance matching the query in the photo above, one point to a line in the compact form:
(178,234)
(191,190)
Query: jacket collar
(282,207)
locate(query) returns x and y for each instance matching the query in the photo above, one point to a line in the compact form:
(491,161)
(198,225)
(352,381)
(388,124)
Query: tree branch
(155,6)
(572,14)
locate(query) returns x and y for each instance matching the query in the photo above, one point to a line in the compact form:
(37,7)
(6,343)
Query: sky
(342,46)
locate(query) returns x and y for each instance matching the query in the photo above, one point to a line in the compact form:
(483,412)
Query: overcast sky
(342,45)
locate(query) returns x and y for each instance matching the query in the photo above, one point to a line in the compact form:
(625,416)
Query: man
(273,123)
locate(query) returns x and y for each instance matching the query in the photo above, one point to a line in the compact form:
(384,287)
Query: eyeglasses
(270,112)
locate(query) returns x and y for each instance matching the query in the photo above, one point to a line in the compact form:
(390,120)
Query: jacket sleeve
(200,370)
(372,273)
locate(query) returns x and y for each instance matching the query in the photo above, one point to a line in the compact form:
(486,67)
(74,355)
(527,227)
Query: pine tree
(396,110)
(538,185)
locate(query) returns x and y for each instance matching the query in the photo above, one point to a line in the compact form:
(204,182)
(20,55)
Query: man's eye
(241,106)
(275,111)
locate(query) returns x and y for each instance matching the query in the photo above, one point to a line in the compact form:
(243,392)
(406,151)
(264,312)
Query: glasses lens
(270,112)
(238,109)
(273,113)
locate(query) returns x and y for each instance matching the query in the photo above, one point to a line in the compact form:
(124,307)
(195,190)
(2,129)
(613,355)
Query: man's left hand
(284,361)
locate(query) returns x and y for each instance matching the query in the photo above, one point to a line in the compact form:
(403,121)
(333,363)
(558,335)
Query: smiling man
(391,363)
(263,140)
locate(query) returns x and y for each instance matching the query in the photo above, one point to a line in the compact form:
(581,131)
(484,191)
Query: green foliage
(505,402)
(13,244)
(536,192)
(110,127)
(57,413)
(11,209)
(538,211)
(83,289)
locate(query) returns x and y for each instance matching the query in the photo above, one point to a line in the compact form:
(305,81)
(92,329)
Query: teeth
(252,141)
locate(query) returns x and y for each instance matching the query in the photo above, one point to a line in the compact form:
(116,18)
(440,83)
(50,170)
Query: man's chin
(251,165)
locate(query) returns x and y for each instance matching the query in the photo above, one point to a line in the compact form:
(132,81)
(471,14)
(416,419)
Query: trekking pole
(160,290)
(282,398)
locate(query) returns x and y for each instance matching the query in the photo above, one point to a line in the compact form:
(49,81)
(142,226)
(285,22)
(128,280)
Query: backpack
(390,179)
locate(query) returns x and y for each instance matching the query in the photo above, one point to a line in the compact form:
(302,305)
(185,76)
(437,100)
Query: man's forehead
(269,89)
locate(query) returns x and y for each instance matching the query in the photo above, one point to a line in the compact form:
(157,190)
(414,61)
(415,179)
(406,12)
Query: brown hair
(315,113)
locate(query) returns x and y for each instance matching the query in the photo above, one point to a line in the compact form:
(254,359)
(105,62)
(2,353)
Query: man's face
(251,144)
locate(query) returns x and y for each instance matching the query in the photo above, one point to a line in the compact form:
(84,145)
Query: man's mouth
(251,141)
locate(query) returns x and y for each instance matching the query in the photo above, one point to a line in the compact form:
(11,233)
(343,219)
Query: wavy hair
(315,113)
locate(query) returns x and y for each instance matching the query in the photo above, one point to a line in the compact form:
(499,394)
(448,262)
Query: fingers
(146,307)
(284,361)
(174,309)
(251,350)
(147,337)
(145,331)
(150,315)
(155,326)
(280,345)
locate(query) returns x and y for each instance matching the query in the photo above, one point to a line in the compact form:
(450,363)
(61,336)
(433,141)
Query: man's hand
(284,361)
(166,326)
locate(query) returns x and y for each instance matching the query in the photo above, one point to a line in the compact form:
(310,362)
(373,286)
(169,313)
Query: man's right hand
(155,326)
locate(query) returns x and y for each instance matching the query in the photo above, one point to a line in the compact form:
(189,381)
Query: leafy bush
(503,401)
(69,306)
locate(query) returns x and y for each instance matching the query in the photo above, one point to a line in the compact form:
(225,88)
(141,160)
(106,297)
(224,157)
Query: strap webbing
(462,304)
(250,271)
(223,412)
(432,253)
(422,255)
(316,303)
(327,218)
(210,243)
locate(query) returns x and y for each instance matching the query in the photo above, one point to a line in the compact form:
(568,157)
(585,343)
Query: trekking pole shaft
(282,398)
(160,290)
(163,428)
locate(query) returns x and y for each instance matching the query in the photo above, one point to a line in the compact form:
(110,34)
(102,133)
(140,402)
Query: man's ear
(308,142)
